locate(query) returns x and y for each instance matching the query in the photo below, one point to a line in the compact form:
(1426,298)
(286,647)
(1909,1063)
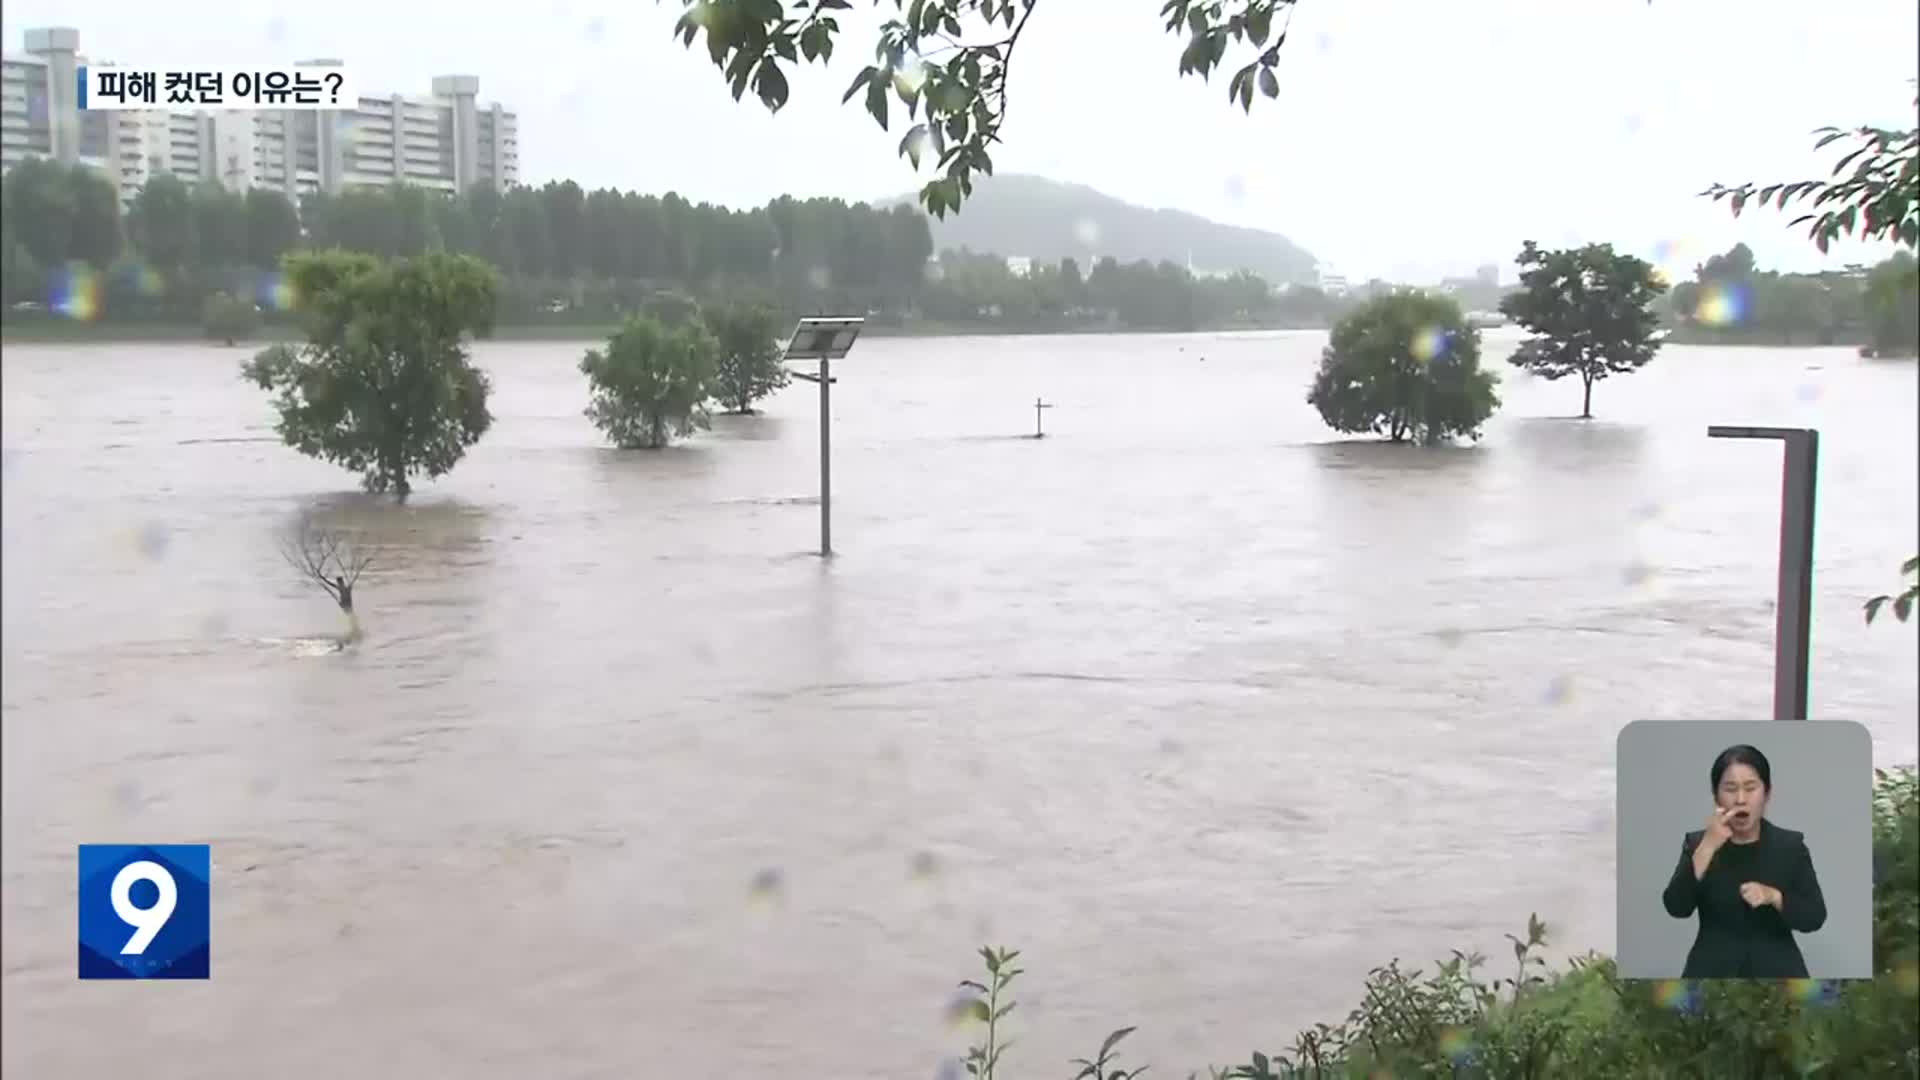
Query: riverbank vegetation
(575,263)
(1464,1018)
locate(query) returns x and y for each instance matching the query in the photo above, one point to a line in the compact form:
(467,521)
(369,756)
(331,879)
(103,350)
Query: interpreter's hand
(1719,828)
(1758,895)
(1718,832)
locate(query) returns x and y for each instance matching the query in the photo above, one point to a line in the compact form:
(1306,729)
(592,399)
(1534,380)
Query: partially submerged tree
(329,558)
(1591,311)
(1407,366)
(228,318)
(651,383)
(750,360)
(1893,306)
(384,385)
(947,64)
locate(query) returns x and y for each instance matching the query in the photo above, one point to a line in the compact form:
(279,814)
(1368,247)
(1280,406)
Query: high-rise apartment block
(447,141)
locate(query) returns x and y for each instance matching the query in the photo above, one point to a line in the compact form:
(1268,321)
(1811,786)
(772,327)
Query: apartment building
(446,140)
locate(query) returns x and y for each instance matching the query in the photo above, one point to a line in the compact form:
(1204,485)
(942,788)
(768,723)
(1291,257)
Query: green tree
(384,385)
(219,228)
(1893,306)
(41,211)
(160,222)
(97,234)
(272,228)
(1591,313)
(228,318)
(1407,366)
(652,382)
(749,364)
(953,96)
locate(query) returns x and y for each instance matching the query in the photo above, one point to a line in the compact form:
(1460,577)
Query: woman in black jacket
(1751,881)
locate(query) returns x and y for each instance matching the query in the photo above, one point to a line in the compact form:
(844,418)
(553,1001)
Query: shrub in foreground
(1585,1022)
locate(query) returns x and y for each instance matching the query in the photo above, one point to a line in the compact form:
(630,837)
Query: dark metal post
(826,460)
(1038,404)
(1793,607)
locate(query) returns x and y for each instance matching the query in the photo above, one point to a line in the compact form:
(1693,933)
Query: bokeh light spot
(819,277)
(1636,574)
(1559,690)
(1429,344)
(154,540)
(75,293)
(1087,231)
(767,888)
(924,866)
(964,1009)
(273,293)
(1722,304)
(1678,995)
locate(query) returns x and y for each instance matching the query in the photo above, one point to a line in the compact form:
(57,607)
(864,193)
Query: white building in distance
(446,141)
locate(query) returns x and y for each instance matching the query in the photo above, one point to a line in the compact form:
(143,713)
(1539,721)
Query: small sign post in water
(1037,406)
(1793,609)
(825,340)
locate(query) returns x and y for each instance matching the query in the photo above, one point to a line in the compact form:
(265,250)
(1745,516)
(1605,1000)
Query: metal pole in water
(1793,605)
(826,460)
(1793,628)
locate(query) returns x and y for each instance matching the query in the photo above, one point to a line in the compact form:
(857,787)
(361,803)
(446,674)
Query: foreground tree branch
(948,63)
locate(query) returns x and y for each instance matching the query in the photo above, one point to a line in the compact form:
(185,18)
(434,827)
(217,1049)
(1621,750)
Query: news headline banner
(296,86)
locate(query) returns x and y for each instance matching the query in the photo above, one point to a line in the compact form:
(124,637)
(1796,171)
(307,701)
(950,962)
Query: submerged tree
(228,318)
(750,359)
(329,558)
(1406,366)
(651,383)
(1591,313)
(384,385)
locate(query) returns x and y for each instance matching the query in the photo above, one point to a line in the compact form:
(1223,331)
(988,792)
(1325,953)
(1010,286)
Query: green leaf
(877,102)
(914,143)
(771,84)
(1269,83)
(863,78)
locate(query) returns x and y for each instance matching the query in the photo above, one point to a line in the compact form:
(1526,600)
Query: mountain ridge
(1022,214)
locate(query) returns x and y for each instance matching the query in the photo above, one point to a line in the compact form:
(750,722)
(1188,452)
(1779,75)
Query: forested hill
(1043,219)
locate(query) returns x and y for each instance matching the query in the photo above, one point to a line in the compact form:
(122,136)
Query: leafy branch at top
(1873,191)
(948,62)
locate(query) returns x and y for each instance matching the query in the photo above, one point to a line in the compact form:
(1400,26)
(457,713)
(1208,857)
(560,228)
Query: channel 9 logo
(144,911)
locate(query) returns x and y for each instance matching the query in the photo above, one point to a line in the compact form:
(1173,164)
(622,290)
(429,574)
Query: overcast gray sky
(1411,138)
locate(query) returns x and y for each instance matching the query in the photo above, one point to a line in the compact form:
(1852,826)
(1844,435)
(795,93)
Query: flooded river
(1203,708)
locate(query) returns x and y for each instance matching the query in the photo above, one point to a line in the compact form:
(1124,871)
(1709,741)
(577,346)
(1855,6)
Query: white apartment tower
(446,141)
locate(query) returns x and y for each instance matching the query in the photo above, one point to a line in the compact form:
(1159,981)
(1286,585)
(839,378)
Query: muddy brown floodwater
(1204,709)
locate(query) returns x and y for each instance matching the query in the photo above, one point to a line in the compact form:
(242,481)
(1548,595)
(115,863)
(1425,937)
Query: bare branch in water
(328,557)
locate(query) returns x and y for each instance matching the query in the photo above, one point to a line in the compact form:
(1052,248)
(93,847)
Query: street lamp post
(825,340)
(1793,609)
